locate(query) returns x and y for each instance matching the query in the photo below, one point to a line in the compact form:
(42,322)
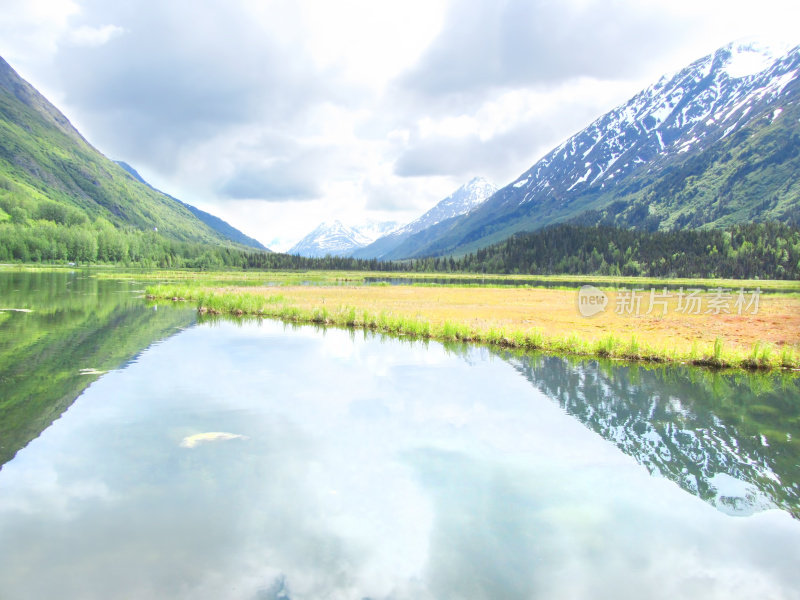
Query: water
(58,333)
(358,466)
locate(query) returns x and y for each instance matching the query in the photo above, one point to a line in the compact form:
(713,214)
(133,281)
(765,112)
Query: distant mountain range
(48,171)
(461,202)
(335,239)
(386,240)
(716,144)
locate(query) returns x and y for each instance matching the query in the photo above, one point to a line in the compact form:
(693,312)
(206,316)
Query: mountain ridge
(336,239)
(219,225)
(50,172)
(612,170)
(462,201)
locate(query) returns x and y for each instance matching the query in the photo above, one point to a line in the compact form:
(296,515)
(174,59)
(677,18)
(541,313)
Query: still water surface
(361,466)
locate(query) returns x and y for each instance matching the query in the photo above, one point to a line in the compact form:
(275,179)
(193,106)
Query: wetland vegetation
(526,317)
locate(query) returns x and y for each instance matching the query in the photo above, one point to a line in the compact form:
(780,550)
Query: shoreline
(323,277)
(522,318)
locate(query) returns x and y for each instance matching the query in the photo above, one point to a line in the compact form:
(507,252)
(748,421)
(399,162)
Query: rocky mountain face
(714,144)
(461,202)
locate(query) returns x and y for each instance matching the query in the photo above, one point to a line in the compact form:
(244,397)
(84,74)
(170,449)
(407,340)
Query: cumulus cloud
(511,43)
(505,136)
(179,74)
(93,36)
(30,31)
(448,156)
(297,175)
(392,195)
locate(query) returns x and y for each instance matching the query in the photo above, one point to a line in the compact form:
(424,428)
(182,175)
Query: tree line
(764,250)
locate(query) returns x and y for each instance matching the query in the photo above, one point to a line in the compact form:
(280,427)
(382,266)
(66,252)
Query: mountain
(336,239)
(462,201)
(49,172)
(716,144)
(222,227)
(372,229)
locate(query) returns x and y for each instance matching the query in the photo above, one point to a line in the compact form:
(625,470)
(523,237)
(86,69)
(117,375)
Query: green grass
(287,278)
(238,303)
(607,346)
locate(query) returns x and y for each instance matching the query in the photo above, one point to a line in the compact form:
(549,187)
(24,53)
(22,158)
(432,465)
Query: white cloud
(277,115)
(30,30)
(93,36)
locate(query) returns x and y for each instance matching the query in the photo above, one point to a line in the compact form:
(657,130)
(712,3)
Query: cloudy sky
(276,115)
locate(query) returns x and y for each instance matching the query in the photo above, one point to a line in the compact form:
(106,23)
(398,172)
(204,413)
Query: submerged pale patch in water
(190,441)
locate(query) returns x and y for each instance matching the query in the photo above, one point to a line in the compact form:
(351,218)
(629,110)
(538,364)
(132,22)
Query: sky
(277,115)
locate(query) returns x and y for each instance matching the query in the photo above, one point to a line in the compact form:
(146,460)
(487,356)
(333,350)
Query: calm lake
(146,454)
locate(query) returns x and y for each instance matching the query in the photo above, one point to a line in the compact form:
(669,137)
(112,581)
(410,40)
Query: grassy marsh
(528,318)
(292,278)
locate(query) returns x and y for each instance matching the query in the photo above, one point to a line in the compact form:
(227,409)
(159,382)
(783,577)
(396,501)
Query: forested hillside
(765,250)
(61,199)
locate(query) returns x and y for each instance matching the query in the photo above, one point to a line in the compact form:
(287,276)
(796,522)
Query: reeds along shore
(426,318)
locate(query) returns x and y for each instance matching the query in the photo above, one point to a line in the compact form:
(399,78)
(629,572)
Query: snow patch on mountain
(464,200)
(709,99)
(336,239)
(461,202)
(753,55)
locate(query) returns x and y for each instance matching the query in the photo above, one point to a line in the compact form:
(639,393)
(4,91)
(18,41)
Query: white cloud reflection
(371,469)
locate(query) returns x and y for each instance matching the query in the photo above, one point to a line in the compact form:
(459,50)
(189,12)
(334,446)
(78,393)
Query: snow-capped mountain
(336,239)
(708,100)
(627,153)
(461,202)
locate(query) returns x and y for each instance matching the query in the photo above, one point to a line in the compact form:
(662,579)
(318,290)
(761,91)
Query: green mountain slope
(48,172)
(222,227)
(753,175)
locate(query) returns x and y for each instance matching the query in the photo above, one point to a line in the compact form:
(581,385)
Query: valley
(456,300)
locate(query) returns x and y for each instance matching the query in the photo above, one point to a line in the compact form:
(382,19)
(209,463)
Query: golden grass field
(555,312)
(484,310)
(734,332)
